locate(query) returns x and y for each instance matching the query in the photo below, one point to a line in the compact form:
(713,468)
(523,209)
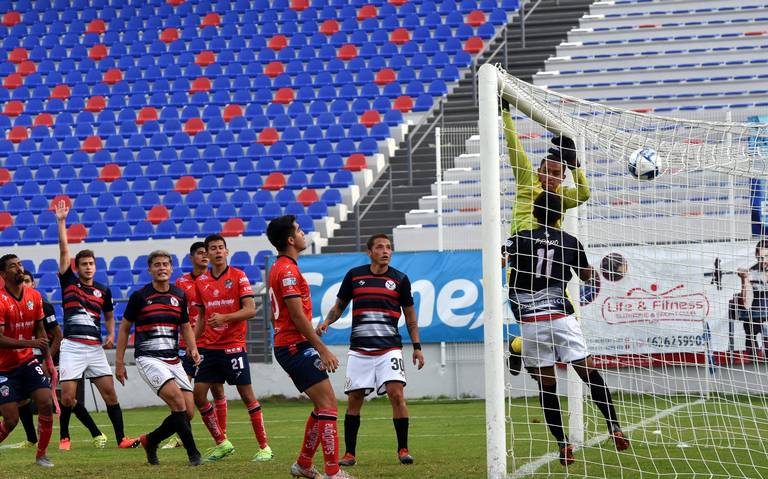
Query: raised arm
(573,196)
(521,165)
(62,210)
(745,296)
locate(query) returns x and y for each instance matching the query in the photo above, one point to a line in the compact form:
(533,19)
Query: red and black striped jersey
(157,317)
(83,306)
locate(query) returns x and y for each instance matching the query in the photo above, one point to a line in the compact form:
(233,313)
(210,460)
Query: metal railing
(359,216)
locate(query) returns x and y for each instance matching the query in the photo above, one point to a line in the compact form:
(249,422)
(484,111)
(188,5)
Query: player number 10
(550,254)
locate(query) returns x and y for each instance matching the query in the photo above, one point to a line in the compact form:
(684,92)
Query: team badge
(30,305)
(228,283)
(361,282)
(174,301)
(97,293)
(216,293)
(319,364)
(390,285)
(155,380)
(5,391)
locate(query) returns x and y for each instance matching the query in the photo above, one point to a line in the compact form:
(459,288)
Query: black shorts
(302,363)
(19,384)
(221,365)
(187,363)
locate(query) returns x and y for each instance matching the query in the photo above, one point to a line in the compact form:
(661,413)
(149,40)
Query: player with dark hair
(82,350)
(753,298)
(300,351)
(542,261)
(159,313)
(379,294)
(21,374)
(224,298)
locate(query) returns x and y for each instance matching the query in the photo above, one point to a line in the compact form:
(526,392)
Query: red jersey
(18,317)
(285,281)
(223,295)
(187,283)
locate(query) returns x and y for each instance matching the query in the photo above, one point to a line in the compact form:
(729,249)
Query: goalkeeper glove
(504,105)
(565,149)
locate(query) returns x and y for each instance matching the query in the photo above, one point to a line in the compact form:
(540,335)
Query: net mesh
(678,343)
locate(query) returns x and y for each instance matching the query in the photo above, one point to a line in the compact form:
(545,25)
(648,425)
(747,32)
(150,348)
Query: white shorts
(372,373)
(77,358)
(156,372)
(548,342)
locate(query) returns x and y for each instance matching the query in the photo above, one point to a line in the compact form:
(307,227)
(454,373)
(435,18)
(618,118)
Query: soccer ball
(644,164)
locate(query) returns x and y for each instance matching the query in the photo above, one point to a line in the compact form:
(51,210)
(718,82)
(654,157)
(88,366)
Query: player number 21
(237,363)
(541,253)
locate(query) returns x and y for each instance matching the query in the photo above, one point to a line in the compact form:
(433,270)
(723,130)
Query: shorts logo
(390,285)
(3,379)
(5,391)
(319,364)
(310,352)
(228,283)
(174,301)
(97,293)
(289,281)
(155,380)
(30,305)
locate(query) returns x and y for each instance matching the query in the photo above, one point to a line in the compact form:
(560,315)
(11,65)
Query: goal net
(677,341)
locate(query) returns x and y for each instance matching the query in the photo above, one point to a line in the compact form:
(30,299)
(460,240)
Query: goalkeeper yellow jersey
(528,186)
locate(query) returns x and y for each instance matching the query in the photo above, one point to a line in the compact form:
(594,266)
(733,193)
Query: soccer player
(754,298)
(82,351)
(21,374)
(379,293)
(159,311)
(199,258)
(543,261)
(225,300)
(300,351)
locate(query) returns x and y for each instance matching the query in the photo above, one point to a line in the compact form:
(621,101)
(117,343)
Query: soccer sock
(184,430)
(25,416)
(82,414)
(257,421)
(221,413)
(311,441)
(601,396)
(351,426)
(209,419)
(45,429)
(329,438)
(66,414)
(401,429)
(163,431)
(116,416)
(551,405)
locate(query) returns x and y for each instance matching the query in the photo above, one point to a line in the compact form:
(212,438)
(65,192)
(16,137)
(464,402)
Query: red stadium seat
(211,20)
(473,45)
(400,36)
(284,96)
(5,176)
(232,111)
(299,5)
(366,12)
(112,76)
(59,198)
(110,172)
(17,134)
(233,227)
(403,103)
(96,26)
(6,220)
(193,126)
(43,119)
(77,233)
(356,162)
(186,184)
(96,104)
(307,196)
(201,84)
(274,69)
(14,80)
(277,43)
(385,76)
(268,136)
(175,3)
(18,55)
(274,182)
(370,118)
(205,58)
(26,68)
(329,27)
(98,52)
(398,3)
(92,144)
(146,114)
(158,214)
(13,108)
(11,18)
(347,52)
(60,92)
(475,18)
(169,35)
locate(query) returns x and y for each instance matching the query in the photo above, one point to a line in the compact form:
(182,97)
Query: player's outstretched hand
(62,210)
(321,328)
(195,355)
(330,361)
(120,373)
(418,358)
(565,148)
(109,343)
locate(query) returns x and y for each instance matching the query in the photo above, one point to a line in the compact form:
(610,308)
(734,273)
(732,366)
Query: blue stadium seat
(188,228)
(165,229)
(257,226)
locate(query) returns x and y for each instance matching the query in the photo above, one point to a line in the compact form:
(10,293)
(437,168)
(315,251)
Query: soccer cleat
(342,474)
(65,444)
(220,451)
(263,455)
(621,441)
(404,457)
(100,441)
(515,355)
(43,461)
(128,443)
(347,460)
(196,460)
(22,445)
(566,455)
(150,450)
(172,443)
(310,472)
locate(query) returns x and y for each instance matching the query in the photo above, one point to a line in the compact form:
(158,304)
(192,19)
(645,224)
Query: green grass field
(719,437)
